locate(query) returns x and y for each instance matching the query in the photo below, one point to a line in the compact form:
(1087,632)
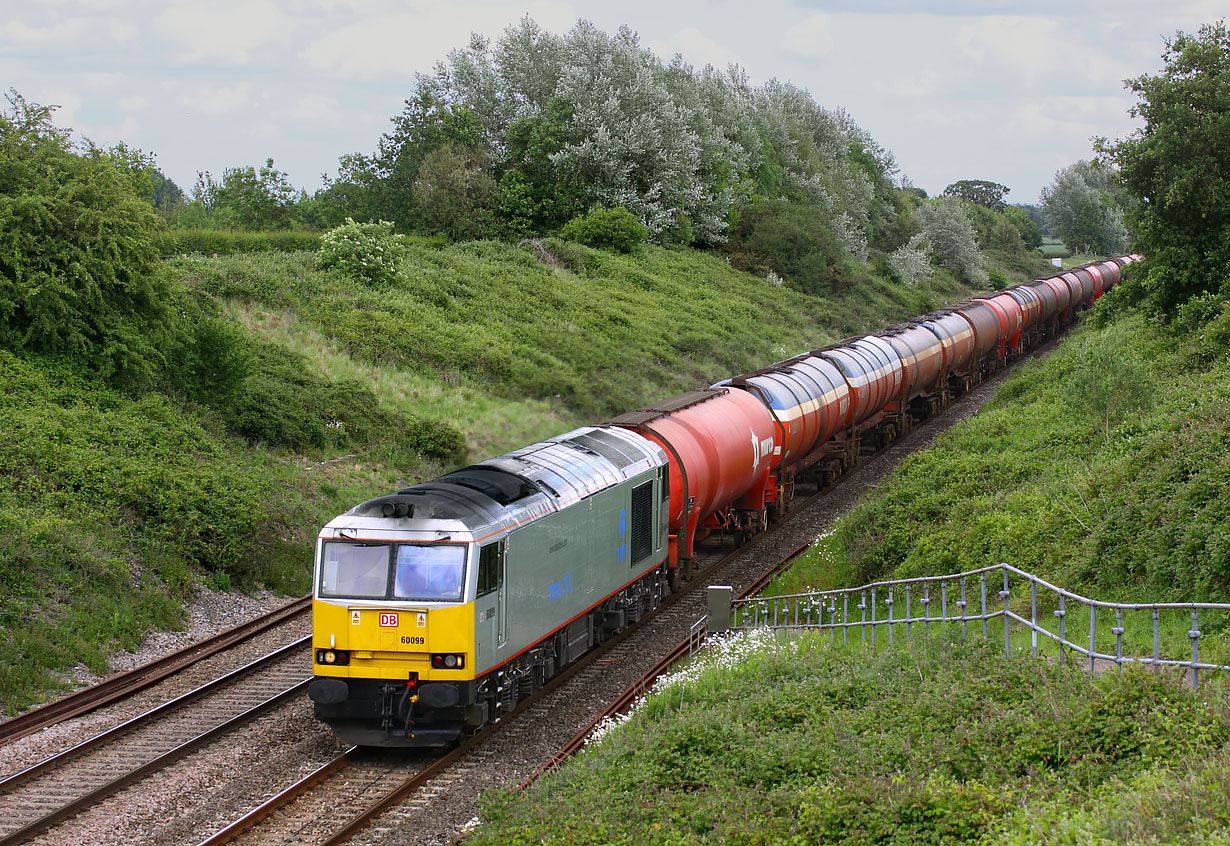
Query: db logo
(388,620)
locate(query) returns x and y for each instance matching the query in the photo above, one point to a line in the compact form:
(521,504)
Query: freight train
(436,608)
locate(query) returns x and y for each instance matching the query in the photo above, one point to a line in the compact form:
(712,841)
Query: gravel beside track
(141,750)
(209,613)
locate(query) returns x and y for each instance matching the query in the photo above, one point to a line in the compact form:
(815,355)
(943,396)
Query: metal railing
(1097,631)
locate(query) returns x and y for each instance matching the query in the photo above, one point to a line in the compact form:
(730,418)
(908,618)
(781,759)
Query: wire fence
(1033,613)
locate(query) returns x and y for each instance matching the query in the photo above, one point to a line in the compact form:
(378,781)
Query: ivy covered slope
(780,741)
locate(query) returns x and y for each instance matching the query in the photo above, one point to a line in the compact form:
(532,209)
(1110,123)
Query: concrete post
(720,599)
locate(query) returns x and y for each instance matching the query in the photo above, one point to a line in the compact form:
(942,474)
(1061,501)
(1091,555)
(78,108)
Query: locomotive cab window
(356,570)
(489,568)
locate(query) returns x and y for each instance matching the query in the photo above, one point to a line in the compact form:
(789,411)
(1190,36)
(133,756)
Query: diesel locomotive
(437,607)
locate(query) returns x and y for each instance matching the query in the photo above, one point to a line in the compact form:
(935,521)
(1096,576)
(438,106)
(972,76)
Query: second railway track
(52,791)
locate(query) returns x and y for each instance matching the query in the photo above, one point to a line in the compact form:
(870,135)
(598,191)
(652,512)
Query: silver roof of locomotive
(509,490)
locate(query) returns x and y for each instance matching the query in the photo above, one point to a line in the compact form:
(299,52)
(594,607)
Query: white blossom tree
(954,244)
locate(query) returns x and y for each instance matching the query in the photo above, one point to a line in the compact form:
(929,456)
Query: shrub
(366,251)
(910,263)
(78,264)
(796,241)
(434,439)
(614,229)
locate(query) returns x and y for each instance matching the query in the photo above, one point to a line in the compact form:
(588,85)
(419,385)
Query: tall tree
(78,262)
(983,192)
(1084,207)
(247,198)
(1178,167)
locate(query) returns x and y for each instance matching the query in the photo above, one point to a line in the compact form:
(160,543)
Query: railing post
(962,605)
(1093,628)
(873,619)
(862,621)
(926,604)
(908,614)
(1033,617)
(888,600)
(1062,614)
(944,600)
(1003,594)
(1157,638)
(982,584)
(1118,633)
(845,618)
(720,597)
(1194,634)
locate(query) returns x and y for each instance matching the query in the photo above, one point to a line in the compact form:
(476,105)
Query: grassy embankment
(112,504)
(802,741)
(1104,470)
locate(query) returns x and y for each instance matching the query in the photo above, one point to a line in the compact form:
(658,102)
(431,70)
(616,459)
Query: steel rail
(59,759)
(279,800)
(131,681)
(162,761)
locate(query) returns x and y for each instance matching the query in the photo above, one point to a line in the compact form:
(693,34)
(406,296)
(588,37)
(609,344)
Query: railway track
(48,793)
(126,684)
(371,796)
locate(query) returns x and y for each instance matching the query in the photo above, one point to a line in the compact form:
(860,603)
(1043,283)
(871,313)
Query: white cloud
(696,48)
(233,31)
(812,37)
(1040,50)
(909,85)
(219,101)
(67,33)
(408,42)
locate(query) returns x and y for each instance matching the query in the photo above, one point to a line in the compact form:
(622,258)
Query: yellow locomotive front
(393,626)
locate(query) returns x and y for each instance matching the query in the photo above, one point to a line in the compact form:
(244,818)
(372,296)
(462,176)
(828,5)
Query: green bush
(366,251)
(794,241)
(614,229)
(79,271)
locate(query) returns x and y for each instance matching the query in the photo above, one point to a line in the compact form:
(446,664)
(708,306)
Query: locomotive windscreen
(409,571)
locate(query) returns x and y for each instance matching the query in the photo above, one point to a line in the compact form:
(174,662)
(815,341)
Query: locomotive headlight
(332,657)
(448,662)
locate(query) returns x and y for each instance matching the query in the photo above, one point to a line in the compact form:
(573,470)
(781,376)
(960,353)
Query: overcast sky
(1006,91)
